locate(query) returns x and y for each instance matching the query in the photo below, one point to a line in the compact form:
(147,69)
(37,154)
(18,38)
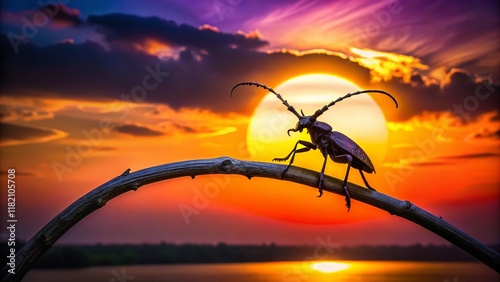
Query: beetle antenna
(290,108)
(302,112)
(325,108)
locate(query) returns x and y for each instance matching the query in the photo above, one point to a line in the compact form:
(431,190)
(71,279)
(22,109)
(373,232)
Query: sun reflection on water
(329,266)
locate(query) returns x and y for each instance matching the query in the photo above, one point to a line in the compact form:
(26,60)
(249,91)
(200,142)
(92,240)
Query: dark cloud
(32,18)
(13,133)
(462,96)
(19,173)
(429,163)
(417,79)
(452,160)
(208,64)
(105,149)
(136,29)
(136,130)
(184,128)
(495,118)
(457,78)
(13,113)
(88,71)
(488,134)
(82,71)
(470,156)
(63,15)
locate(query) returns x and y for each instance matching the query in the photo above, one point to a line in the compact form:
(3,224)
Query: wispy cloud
(137,130)
(387,66)
(20,173)
(131,29)
(487,134)
(469,156)
(427,120)
(13,134)
(438,161)
(58,16)
(403,27)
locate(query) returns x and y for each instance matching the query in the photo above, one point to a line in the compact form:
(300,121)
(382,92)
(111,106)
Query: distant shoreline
(80,256)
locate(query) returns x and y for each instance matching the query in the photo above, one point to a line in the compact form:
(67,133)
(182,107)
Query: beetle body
(333,144)
(345,145)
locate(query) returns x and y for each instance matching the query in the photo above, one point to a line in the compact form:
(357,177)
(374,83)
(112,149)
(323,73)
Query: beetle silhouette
(338,146)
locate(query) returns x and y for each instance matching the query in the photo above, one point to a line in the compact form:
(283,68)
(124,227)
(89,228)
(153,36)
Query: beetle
(338,146)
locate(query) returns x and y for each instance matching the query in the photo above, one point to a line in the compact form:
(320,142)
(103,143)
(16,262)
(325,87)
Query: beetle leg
(366,182)
(345,159)
(347,195)
(301,150)
(308,146)
(321,176)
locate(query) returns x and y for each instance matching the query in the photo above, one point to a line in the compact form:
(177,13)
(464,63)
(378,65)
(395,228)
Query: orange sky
(419,166)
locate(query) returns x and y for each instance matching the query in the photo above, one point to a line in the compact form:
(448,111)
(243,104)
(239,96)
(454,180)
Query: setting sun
(359,117)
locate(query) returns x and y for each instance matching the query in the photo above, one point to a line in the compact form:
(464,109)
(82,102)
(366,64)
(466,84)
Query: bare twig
(127,181)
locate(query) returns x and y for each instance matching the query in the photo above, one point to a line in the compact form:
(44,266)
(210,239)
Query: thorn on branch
(126,172)
(135,186)
(100,202)
(226,165)
(407,205)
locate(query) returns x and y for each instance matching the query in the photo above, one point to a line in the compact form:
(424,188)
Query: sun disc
(358,117)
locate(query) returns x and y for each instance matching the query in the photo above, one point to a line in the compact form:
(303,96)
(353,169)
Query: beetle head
(304,122)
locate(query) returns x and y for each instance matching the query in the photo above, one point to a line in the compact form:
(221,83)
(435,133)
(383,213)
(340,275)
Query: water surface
(339,271)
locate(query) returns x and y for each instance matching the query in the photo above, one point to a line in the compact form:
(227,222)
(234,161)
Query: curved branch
(98,197)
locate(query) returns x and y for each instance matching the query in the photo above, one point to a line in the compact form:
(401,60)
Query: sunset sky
(91,88)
